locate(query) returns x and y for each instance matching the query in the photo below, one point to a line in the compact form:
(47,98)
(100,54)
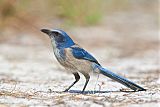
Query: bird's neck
(62,45)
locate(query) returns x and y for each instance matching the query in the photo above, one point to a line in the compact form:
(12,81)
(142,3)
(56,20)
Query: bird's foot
(66,90)
(83,92)
(50,90)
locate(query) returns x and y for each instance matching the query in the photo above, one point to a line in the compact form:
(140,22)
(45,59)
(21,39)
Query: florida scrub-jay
(75,59)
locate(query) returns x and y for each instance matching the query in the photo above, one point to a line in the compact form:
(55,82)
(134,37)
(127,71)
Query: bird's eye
(56,33)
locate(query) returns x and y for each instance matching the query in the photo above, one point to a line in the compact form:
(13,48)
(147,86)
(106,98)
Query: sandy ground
(30,75)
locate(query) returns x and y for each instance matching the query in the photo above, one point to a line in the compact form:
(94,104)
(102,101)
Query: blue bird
(75,59)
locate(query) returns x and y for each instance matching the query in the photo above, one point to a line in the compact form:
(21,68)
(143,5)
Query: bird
(77,60)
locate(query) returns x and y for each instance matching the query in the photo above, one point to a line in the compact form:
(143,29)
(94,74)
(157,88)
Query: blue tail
(121,80)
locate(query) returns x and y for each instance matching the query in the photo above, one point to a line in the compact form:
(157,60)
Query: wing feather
(80,53)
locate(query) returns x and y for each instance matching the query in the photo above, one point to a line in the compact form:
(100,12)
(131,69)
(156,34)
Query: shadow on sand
(94,92)
(89,92)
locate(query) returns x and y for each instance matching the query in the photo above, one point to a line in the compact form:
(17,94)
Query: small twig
(96,82)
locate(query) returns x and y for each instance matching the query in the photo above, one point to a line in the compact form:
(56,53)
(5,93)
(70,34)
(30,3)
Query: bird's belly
(73,64)
(80,65)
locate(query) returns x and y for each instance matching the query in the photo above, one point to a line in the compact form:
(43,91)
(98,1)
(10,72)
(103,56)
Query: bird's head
(59,38)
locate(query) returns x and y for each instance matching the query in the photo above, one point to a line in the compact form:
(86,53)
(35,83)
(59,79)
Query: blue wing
(80,53)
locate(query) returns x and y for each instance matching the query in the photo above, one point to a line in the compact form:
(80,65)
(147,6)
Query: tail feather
(121,79)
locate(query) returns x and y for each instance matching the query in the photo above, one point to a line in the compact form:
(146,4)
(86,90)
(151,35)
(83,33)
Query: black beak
(46,31)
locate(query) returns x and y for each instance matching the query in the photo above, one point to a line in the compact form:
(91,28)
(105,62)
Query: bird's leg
(77,77)
(87,80)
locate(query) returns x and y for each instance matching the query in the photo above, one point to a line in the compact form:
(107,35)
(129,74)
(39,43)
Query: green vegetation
(81,12)
(70,12)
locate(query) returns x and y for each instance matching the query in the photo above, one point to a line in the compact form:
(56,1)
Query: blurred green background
(28,16)
(72,12)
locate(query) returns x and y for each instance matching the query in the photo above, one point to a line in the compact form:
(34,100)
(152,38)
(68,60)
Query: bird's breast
(61,56)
